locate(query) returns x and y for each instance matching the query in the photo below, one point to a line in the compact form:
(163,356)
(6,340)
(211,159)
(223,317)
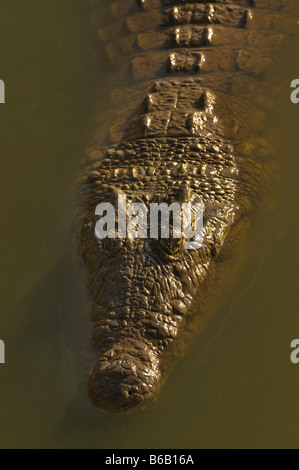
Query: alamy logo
(2,92)
(295,93)
(295,352)
(2,352)
(135,220)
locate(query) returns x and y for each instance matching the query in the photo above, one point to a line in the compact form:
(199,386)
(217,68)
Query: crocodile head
(143,290)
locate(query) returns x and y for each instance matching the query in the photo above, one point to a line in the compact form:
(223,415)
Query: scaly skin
(181,128)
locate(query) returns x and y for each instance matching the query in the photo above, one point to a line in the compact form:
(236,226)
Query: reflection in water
(236,387)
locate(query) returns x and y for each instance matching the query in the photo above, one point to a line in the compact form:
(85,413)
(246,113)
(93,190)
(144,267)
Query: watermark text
(2,92)
(2,352)
(295,93)
(136,220)
(295,352)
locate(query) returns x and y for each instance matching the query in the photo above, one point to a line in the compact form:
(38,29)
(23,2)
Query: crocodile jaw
(142,298)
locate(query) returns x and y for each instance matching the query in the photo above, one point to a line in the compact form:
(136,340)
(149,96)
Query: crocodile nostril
(121,368)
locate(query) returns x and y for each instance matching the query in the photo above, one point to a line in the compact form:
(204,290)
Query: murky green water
(236,387)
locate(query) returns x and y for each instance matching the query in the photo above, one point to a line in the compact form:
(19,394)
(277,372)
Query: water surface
(236,386)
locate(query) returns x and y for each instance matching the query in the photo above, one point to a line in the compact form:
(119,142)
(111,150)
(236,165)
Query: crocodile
(187,120)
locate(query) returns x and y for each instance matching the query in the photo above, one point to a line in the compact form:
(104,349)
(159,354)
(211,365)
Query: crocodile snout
(120,381)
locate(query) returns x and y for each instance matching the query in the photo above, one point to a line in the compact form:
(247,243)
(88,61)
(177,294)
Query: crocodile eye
(112,246)
(172,246)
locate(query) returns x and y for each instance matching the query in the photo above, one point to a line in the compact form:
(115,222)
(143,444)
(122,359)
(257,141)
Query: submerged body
(180,130)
